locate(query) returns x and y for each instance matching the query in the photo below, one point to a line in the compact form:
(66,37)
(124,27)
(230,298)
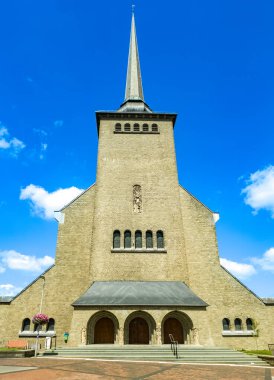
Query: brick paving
(74,369)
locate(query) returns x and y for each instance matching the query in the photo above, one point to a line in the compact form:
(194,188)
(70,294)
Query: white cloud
(17,261)
(266,262)
(259,193)
(13,144)
(3,130)
(43,148)
(2,269)
(4,144)
(238,269)
(9,290)
(43,203)
(40,132)
(58,123)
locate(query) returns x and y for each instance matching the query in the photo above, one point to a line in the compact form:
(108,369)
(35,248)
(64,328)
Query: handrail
(174,346)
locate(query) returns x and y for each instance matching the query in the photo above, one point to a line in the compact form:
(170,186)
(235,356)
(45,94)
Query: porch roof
(139,293)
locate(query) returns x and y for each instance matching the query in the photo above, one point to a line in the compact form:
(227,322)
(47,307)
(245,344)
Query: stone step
(187,354)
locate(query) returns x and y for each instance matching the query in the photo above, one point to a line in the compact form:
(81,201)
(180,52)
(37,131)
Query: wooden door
(138,331)
(104,331)
(174,327)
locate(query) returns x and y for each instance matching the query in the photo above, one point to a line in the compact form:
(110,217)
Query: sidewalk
(76,369)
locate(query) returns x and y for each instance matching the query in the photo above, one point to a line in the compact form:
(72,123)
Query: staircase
(187,354)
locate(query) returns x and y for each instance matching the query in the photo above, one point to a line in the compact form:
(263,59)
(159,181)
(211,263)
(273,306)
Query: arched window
(50,324)
(138,239)
(145,127)
(116,239)
(226,324)
(238,324)
(127,127)
(136,127)
(249,324)
(35,327)
(160,239)
(26,324)
(149,239)
(127,240)
(154,128)
(118,127)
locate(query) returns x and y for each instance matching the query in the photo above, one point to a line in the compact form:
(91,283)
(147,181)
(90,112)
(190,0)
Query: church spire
(134,96)
(134,88)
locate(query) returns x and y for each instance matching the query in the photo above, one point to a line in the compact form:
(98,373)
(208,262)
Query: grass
(258,352)
(9,349)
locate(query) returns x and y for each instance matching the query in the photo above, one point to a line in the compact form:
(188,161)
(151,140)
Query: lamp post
(42,295)
(40,311)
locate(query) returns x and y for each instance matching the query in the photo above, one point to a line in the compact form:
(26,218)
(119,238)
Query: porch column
(120,337)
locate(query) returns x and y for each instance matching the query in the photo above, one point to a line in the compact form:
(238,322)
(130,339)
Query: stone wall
(148,160)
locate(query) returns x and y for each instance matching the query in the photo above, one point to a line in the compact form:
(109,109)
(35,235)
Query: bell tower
(137,228)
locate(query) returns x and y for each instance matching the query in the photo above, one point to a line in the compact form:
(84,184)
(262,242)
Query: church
(137,255)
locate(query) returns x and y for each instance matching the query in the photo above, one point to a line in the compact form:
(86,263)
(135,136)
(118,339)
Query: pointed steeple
(134,88)
(134,96)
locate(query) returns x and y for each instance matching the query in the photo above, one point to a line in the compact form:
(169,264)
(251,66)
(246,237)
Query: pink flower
(40,318)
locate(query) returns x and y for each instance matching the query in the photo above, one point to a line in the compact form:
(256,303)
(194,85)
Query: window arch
(116,239)
(238,324)
(154,128)
(145,127)
(127,239)
(138,239)
(51,324)
(160,239)
(136,127)
(149,239)
(26,324)
(249,324)
(35,327)
(118,127)
(127,127)
(226,324)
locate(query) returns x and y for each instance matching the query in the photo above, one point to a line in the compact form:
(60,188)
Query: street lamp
(42,295)
(37,317)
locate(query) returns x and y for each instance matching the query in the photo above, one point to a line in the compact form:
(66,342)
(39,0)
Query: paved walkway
(76,369)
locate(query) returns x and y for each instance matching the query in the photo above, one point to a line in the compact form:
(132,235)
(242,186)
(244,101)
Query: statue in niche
(195,336)
(158,334)
(84,335)
(137,199)
(121,336)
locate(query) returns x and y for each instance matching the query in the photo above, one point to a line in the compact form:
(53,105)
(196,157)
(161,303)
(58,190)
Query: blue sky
(211,62)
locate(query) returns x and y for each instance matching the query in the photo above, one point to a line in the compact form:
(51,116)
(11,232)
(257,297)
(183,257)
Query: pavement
(87,369)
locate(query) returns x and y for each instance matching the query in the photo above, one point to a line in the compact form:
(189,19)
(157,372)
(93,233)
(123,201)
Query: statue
(84,336)
(195,336)
(137,199)
(158,334)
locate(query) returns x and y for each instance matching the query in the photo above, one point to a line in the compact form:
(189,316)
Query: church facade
(137,256)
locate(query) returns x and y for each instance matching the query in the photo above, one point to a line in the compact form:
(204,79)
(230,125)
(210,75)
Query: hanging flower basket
(40,318)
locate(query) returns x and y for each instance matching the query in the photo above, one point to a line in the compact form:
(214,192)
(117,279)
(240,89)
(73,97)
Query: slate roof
(139,293)
(5,299)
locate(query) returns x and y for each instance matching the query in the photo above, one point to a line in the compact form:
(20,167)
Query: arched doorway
(104,331)
(174,327)
(139,328)
(102,328)
(138,331)
(179,325)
